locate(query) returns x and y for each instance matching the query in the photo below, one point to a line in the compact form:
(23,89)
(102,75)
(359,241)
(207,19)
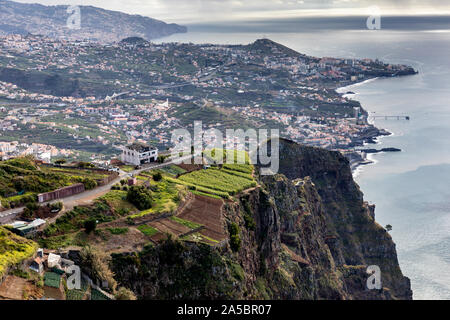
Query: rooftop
(52,279)
(140,147)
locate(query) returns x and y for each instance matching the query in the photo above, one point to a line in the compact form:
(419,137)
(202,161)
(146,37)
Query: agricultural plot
(207,212)
(116,200)
(165,195)
(173,170)
(225,182)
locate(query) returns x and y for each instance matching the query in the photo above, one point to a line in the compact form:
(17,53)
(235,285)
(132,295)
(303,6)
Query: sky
(188,11)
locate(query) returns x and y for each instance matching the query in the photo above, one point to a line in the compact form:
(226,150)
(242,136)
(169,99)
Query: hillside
(13,250)
(305,233)
(96,24)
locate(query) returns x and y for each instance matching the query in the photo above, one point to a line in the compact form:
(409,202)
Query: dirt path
(12,288)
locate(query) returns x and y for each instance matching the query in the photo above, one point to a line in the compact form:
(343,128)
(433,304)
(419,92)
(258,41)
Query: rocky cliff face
(305,233)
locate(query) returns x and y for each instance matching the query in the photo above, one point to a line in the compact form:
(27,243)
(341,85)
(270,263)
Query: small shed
(132,181)
(37,265)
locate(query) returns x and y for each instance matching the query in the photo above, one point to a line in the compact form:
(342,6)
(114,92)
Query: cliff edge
(305,233)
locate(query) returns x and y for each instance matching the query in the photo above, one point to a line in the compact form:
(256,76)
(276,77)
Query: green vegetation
(165,195)
(77,295)
(14,249)
(235,238)
(117,200)
(173,170)
(75,219)
(189,224)
(127,168)
(244,168)
(141,197)
(21,180)
(204,191)
(90,226)
(224,183)
(147,230)
(65,240)
(157,176)
(118,231)
(206,194)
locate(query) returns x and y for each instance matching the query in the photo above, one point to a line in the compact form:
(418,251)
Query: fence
(61,193)
(108,179)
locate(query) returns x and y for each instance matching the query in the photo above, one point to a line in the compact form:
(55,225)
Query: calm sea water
(411,189)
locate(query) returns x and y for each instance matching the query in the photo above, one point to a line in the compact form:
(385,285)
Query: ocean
(411,189)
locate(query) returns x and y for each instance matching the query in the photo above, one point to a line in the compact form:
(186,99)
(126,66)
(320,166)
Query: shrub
(235,238)
(90,225)
(140,196)
(249,222)
(56,206)
(116,187)
(96,264)
(85,165)
(125,294)
(118,231)
(60,161)
(157,176)
(89,183)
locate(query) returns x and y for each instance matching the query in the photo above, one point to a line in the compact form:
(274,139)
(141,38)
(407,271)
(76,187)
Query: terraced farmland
(225,182)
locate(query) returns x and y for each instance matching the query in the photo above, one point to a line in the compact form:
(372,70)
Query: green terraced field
(224,182)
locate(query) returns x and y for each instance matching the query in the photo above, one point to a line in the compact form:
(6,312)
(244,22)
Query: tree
(30,210)
(96,264)
(60,161)
(140,196)
(157,176)
(389,227)
(85,165)
(90,225)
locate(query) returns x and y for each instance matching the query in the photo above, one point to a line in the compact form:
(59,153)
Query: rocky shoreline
(359,158)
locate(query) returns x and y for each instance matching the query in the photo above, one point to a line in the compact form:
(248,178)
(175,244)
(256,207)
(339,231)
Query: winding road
(85,197)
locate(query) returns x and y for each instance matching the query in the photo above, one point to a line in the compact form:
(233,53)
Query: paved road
(86,197)
(69,202)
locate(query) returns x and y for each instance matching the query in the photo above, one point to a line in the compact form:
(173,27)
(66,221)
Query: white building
(138,154)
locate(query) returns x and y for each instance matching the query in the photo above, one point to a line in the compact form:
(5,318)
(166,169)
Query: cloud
(204,10)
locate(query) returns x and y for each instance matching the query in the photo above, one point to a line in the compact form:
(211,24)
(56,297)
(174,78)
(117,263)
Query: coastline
(358,160)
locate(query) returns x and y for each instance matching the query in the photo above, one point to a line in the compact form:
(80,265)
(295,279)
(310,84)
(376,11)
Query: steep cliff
(305,233)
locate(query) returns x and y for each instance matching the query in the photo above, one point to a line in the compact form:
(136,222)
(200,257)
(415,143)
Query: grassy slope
(14,249)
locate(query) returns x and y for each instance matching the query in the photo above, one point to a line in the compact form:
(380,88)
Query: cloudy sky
(212,10)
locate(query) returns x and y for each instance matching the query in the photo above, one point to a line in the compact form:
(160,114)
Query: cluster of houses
(24,228)
(56,269)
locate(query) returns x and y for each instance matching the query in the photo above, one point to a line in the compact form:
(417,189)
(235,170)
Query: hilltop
(96,23)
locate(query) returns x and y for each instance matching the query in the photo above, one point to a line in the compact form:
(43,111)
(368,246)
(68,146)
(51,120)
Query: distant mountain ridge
(96,24)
